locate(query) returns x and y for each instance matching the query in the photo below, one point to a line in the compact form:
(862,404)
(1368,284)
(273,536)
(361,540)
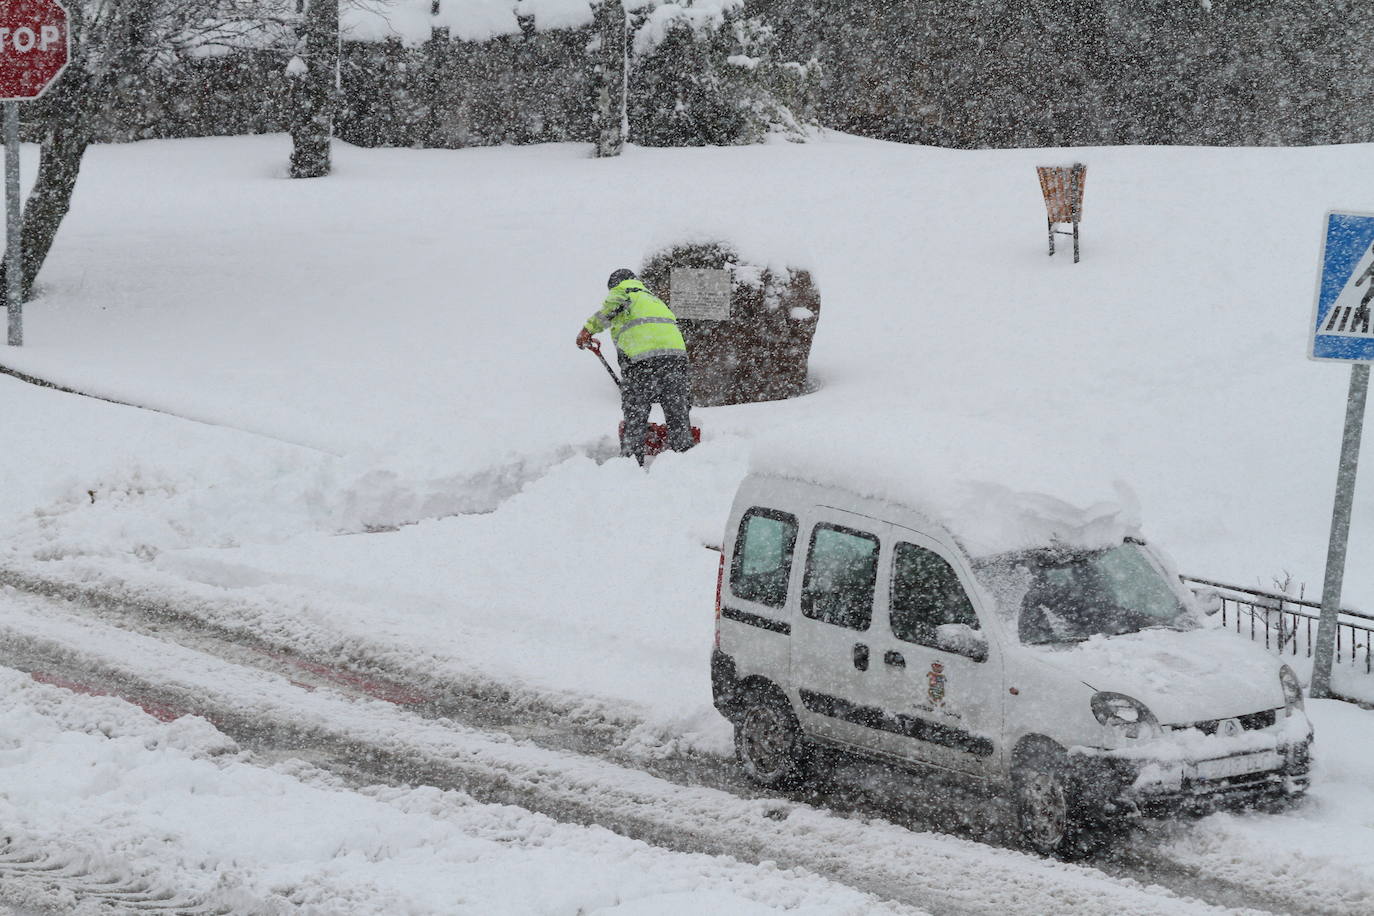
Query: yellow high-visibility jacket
(641,324)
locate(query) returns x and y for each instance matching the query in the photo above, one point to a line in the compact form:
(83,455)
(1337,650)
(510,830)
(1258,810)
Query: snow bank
(1320,848)
(557,14)
(412,23)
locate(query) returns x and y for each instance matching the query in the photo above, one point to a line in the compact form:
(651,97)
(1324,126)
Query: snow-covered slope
(415,311)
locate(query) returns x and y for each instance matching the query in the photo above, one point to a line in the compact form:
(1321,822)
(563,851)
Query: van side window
(840,574)
(762,561)
(925,594)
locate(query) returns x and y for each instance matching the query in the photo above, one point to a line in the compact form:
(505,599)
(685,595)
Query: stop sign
(33,47)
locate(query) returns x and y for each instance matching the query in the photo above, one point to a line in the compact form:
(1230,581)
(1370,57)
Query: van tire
(768,741)
(1046,815)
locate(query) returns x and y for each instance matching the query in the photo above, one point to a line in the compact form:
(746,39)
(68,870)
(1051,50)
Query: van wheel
(768,742)
(1044,809)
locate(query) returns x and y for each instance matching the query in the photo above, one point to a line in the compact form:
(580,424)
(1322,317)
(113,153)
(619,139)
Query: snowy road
(369,725)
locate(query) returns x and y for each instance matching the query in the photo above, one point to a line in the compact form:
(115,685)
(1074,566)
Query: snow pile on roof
(701,15)
(557,14)
(990,505)
(412,22)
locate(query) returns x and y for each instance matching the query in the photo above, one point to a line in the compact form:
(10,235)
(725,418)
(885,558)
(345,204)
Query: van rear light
(720,585)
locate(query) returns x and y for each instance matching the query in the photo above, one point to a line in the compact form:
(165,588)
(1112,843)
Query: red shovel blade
(656,439)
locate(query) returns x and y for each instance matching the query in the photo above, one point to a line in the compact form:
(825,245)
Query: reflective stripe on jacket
(641,324)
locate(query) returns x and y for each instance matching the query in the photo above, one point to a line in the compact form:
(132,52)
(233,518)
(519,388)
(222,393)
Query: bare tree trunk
(436,66)
(113,56)
(316,91)
(610,78)
(63,147)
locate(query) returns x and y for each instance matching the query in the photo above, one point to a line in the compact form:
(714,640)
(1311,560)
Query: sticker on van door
(901,723)
(936,679)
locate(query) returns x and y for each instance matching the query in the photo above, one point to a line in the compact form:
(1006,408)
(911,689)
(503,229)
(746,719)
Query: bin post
(1062,187)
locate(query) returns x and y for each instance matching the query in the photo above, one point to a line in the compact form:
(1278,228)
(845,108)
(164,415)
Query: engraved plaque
(700,294)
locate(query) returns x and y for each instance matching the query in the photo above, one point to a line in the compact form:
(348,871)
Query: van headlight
(1126,716)
(1292,690)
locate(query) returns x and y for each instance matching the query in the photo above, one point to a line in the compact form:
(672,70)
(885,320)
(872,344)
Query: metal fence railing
(1288,625)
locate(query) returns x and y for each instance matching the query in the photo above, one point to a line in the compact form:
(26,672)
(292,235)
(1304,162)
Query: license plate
(1226,767)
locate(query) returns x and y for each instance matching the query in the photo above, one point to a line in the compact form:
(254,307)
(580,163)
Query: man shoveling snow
(653,361)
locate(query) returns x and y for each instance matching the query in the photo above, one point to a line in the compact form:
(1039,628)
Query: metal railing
(1288,625)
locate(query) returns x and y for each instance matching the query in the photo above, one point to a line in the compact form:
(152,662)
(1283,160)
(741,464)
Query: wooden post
(1076,192)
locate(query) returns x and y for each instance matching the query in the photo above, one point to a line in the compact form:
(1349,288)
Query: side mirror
(962,639)
(1209,599)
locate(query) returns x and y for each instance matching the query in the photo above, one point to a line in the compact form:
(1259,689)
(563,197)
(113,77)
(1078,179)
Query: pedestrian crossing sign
(1343,324)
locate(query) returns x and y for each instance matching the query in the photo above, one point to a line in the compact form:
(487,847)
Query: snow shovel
(595,346)
(656,437)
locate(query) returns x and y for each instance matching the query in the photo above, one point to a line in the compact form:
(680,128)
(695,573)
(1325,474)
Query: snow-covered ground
(395,451)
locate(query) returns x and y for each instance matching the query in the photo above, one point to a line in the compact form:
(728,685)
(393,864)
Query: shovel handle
(595,346)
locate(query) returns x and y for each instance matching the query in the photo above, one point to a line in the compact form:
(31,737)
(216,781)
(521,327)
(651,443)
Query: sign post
(1062,186)
(35,46)
(14,293)
(1342,331)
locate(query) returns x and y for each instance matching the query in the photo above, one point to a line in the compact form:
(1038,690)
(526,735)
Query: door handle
(894,659)
(861,657)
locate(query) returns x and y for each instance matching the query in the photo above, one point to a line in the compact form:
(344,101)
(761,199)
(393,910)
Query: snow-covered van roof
(987,513)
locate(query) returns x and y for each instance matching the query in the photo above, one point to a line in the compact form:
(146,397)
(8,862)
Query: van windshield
(1062,596)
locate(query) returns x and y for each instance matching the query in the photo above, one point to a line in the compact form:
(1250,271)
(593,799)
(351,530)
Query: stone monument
(748,327)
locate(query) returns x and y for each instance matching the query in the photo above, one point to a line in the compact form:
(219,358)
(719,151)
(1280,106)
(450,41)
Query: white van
(1081,677)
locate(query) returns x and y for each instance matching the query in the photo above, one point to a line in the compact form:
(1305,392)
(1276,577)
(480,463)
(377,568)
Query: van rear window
(840,574)
(762,561)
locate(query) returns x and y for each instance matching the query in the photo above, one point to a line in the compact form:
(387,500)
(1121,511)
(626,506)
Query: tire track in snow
(34,876)
(573,722)
(376,740)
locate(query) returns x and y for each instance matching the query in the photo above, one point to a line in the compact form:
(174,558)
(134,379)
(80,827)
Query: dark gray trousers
(661,379)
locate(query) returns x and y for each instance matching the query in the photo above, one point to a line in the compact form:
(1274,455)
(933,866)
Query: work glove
(584,339)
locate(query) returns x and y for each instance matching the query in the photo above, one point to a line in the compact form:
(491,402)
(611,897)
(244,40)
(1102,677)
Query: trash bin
(1062,186)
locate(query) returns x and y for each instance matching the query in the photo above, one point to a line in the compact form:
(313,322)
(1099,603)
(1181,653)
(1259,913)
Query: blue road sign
(1342,325)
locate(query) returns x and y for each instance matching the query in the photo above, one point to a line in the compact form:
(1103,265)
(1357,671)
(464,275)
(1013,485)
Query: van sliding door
(832,656)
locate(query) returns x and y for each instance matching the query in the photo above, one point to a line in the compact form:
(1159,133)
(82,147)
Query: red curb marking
(156,710)
(389,691)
